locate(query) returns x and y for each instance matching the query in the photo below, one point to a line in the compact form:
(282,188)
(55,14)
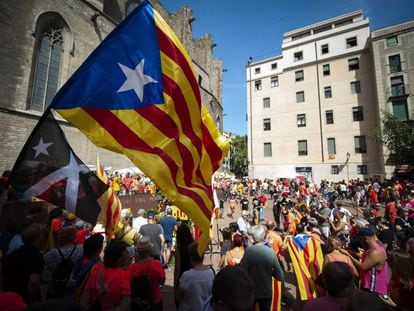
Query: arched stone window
(53,41)
(131,5)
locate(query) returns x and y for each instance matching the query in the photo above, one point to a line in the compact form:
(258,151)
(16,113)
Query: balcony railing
(398,90)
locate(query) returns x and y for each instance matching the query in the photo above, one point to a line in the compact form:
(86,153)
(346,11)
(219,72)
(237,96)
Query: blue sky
(255,28)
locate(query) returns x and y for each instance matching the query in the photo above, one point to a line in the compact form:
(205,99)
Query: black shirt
(244,204)
(18,266)
(386,236)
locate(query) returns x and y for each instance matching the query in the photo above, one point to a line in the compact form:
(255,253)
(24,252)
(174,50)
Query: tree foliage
(238,156)
(398,137)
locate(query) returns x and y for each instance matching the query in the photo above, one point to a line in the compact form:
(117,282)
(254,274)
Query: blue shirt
(168,224)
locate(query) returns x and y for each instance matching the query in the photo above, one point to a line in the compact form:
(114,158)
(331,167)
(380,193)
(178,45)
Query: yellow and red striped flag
(137,94)
(307,260)
(110,203)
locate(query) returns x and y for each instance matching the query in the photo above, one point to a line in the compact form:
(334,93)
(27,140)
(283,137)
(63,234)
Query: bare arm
(34,287)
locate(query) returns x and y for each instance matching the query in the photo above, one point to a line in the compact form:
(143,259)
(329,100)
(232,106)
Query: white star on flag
(41,148)
(136,79)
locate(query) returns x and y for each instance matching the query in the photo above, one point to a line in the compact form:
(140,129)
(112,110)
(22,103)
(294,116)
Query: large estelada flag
(307,259)
(111,205)
(137,94)
(47,168)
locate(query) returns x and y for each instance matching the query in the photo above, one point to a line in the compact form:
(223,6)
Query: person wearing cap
(244,226)
(373,267)
(140,220)
(144,263)
(169,226)
(155,233)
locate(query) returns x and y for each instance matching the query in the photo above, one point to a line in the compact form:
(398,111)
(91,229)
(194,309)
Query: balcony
(398,90)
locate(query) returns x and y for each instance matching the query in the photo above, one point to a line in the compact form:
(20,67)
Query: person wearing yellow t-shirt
(116,183)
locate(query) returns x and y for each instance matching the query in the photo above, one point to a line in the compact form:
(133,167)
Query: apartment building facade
(393,58)
(311,111)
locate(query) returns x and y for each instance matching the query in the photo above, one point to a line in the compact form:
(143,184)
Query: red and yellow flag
(111,205)
(307,261)
(137,94)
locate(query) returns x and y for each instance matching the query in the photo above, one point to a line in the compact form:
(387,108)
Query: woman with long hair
(184,238)
(402,277)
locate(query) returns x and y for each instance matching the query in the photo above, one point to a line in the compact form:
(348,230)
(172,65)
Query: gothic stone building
(45,41)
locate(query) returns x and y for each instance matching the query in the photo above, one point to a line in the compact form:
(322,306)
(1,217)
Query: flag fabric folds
(111,205)
(137,94)
(47,168)
(307,260)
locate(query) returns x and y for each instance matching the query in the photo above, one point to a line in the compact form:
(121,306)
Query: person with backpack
(83,268)
(109,288)
(60,262)
(146,276)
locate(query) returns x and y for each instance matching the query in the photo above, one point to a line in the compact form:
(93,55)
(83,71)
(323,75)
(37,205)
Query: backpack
(61,276)
(96,305)
(141,294)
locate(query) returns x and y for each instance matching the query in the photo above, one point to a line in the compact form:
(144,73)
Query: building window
(299,76)
(301,120)
(351,42)
(266,125)
(360,144)
(273,66)
(395,63)
(325,48)
(353,63)
(267,149)
(355,87)
(257,70)
(362,169)
(392,41)
(328,92)
(300,97)
(298,56)
(258,85)
(302,147)
(358,113)
(329,117)
(274,81)
(331,146)
(266,102)
(47,69)
(397,86)
(334,169)
(326,70)
(400,109)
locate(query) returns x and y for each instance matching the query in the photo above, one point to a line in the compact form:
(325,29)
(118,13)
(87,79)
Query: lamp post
(348,155)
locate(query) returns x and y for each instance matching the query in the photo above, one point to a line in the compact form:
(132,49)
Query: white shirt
(138,222)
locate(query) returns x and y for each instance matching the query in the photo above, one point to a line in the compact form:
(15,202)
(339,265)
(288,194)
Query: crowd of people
(346,251)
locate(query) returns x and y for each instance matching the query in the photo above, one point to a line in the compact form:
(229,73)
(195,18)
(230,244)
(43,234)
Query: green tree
(398,137)
(238,156)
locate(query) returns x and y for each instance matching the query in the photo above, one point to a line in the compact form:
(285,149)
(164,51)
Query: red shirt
(119,281)
(81,236)
(155,272)
(56,225)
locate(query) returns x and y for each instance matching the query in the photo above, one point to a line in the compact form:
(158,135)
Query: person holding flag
(111,205)
(307,259)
